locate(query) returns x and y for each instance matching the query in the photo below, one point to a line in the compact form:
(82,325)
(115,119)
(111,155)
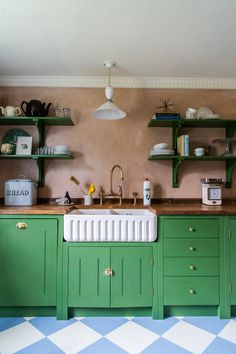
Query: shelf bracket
(230,166)
(175,132)
(230,130)
(175,172)
(41,130)
(41,175)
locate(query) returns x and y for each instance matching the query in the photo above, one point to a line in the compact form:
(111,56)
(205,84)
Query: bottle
(146,192)
(67,196)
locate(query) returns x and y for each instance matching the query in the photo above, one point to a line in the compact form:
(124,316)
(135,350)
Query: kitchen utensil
(35,108)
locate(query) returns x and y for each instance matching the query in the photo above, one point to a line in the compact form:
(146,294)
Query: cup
(190,113)
(88,199)
(10,111)
(58,112)
(199,151)
(7,149)
(66,112)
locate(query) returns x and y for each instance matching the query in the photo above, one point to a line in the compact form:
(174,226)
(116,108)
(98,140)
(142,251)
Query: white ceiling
(171,39)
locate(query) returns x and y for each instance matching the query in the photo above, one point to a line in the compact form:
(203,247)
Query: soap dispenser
(146,192)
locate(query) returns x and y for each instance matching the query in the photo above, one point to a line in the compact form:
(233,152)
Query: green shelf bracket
(41,175)
(175,132)
(41,130)
(230,166)
(230,130)
(175,172)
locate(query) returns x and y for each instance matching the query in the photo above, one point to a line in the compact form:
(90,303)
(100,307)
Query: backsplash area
(98,145)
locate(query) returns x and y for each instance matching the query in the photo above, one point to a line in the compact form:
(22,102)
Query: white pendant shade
(109,111)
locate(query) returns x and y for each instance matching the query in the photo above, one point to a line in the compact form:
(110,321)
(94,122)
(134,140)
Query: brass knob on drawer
(191,248)
(21,225)
(191,267)
(191,229)
(108,272)
(191,291)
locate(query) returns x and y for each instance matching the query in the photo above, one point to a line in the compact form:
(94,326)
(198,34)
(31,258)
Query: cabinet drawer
(191,247)
(191,227)
(191,291)
(191,267)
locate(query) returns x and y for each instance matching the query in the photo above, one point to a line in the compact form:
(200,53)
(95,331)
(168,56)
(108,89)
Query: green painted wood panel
(88,286)
(191,247)
(191,291)
(28,260)
(233,260)
(191,266)
(191,227)
(131,283)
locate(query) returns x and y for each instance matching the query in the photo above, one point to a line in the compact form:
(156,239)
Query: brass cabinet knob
(191,267)
(191,291)
(108,272)
(191,248)
(21,225)
(191,229)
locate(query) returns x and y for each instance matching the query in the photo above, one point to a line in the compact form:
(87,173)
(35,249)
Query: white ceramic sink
(110,225)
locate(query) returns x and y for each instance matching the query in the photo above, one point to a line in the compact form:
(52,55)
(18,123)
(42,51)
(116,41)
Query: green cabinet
(232,258)
(189,261)
(110,276)
(28,261)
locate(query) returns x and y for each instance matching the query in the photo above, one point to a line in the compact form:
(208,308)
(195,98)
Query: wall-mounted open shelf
(176,125)
(40,123)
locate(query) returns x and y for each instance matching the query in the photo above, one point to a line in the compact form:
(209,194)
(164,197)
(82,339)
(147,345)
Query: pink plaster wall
(97,145)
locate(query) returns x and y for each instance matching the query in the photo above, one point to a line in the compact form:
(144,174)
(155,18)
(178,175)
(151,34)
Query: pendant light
(109,111)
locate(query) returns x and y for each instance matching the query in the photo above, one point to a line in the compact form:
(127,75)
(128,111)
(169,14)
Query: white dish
(162,152)
(212,116)
(203,112)
(160,146)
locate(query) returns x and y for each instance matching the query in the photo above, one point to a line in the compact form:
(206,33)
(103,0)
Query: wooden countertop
(162,208)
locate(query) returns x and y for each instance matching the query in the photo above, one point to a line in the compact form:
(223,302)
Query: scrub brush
(77,182)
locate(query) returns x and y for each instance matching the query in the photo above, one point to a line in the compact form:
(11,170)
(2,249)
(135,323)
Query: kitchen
(97,145)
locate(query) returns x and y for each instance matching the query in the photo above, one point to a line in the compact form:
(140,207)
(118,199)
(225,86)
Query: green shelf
(176,125)
(40,123)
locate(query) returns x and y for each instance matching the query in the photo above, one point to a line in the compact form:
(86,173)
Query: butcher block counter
(161,208)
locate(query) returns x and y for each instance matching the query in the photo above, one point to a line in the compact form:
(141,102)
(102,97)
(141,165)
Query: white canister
(146,192)
(20,191)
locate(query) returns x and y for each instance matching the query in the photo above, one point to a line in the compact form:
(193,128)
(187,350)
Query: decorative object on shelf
(190,113)
(227,142)
(35,108)
(109,111)
(161,149)
(24,145)
(166,113)
(62,112)
(12,135)
(8,149)
(10,111)
(200,151)
(205,113)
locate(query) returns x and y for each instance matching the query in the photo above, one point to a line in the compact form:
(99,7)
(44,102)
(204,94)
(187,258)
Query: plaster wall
(97,145)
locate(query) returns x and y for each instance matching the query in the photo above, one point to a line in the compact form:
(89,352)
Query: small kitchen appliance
(212,191)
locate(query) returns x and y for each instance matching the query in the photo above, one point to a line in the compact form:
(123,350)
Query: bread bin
(20,191)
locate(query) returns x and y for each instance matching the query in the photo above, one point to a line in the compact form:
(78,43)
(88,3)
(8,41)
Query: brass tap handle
(101,194)
(135,195)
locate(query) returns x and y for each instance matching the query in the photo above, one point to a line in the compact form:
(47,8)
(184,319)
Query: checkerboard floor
(117,335)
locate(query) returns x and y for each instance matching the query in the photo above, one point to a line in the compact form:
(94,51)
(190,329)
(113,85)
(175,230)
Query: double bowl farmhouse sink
(110,225)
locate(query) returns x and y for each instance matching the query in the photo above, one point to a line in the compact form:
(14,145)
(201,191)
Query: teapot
(35,108)
(10,111)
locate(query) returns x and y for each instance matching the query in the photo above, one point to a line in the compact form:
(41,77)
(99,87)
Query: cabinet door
(88,286)
(28,262)
(233,259)
(131,282)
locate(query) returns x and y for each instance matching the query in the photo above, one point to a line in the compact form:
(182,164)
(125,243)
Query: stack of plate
(161,149)
(62,149)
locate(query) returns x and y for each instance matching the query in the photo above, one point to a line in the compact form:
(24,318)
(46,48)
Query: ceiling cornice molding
(123,82)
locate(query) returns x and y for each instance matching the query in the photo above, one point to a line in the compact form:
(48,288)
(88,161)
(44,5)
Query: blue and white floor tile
(117,335)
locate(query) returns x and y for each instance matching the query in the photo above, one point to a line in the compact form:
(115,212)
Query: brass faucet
(111,193)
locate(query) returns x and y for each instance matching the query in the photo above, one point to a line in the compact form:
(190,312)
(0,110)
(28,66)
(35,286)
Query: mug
(199,151)
(10,111)
(7,149)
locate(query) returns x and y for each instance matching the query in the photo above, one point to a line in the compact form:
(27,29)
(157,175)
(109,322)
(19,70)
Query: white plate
(162,152)
(203,112)
(160,146)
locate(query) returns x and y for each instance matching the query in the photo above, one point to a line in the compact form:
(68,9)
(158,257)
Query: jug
(35,108)
(10,111)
